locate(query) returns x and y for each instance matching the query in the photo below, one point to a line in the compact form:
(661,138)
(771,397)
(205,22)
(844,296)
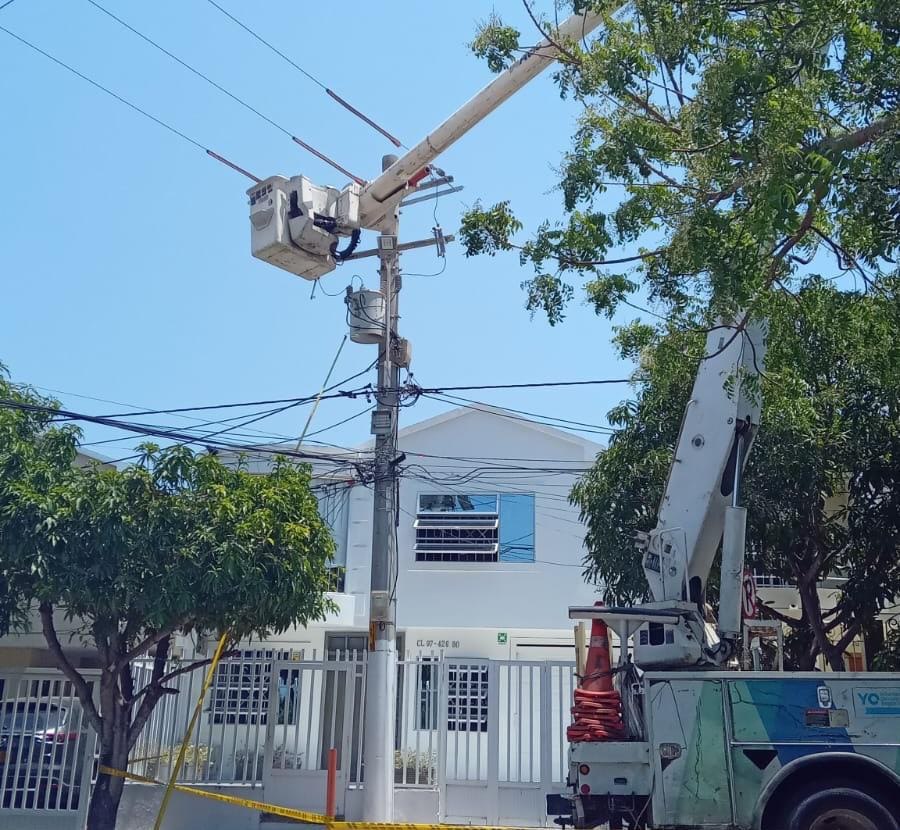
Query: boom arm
(719,425)
(295,224)
(376,194)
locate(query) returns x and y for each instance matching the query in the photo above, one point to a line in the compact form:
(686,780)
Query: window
(240,692)
(768,580)
(427,700)
(483,527)
(467,698)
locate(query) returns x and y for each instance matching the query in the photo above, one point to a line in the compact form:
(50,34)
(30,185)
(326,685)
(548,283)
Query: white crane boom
(296,224)
(482,104)
(699,509)
(720,421)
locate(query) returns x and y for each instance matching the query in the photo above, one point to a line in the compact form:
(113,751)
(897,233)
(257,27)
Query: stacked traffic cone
(597,713)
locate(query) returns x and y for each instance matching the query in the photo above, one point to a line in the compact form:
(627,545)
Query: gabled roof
(469,411)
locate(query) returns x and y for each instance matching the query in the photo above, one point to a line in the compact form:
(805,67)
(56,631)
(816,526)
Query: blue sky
(125,259)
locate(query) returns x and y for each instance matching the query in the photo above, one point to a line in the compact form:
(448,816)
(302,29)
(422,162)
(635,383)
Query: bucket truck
(705,746)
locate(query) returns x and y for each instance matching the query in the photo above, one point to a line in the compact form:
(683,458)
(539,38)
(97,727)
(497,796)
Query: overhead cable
(224,91)
(132,106)
(489,409)
(535,385)
(332,94)
(175,435)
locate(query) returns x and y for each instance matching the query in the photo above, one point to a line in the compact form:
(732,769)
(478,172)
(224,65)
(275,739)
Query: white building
(490,549)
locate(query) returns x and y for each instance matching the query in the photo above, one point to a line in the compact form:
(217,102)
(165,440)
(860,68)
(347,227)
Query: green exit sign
(501,638)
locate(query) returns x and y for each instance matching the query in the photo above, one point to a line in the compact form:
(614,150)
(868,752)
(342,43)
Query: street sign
(749,605)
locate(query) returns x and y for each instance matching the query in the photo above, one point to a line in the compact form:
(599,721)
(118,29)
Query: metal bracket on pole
(435,195)
(403,246)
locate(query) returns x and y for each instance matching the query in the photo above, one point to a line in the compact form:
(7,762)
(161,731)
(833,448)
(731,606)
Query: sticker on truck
(877,701)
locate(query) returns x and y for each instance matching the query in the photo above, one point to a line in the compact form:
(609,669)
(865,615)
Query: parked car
(41,753)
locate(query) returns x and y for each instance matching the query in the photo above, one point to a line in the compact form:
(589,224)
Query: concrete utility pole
(381,671)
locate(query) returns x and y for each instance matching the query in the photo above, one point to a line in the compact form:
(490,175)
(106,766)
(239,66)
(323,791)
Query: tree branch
(81,687)
(144,646)
(778,615)
(849,636)
(650,110)
(856,139)
(618,261)
(154,693)
(184,670)
(562,50)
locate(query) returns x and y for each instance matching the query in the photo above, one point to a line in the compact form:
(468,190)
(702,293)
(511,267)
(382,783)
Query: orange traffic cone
(597,713)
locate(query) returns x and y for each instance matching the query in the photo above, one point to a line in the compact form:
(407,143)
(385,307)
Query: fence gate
(502,739)
(46,751)
(313,706)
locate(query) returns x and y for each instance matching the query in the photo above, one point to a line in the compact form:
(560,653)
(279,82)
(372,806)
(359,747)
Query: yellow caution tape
(287,812)
(299,815)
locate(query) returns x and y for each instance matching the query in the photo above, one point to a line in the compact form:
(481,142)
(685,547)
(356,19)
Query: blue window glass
(516,527)
(457,503)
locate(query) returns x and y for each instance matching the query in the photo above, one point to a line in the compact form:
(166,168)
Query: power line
(354,393)
(175,435)
(132,106)
(331,93)
(535,414)
(344,393)
(224,91)
(488,409)
(536,385)
(340,423)
(190,68)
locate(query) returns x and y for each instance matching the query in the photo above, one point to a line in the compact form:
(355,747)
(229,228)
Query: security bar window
(483,527)
(467,698)
(240,692)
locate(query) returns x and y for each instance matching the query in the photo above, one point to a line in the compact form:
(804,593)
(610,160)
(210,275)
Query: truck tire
(842,807)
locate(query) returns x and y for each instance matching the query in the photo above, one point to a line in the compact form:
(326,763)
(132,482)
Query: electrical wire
(510,414)
(534,414)
(315,405)
(437,225)
(341,423)
(536,385)
(333,95)
(132,106)
(144,429)
(193,69)
(344,393)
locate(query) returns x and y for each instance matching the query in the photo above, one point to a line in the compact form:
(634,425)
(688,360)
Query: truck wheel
(844,807)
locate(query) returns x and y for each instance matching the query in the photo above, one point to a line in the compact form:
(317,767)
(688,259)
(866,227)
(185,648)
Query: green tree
(726,151)
(721,146)
(176,543)
(822,485)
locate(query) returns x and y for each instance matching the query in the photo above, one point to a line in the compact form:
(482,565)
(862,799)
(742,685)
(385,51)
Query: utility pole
(381,669)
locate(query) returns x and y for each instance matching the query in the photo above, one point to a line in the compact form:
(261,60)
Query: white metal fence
(46,750)
(477,733)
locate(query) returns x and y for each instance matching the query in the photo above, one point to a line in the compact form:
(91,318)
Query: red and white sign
(749,606)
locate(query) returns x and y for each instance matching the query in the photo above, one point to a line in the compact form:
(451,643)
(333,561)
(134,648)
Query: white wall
(497,596)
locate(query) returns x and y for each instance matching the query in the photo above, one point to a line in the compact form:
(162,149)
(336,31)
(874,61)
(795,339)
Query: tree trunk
(835,658)
(108,790)
(104,804)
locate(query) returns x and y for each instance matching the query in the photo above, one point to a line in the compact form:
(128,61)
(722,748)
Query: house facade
(489,548)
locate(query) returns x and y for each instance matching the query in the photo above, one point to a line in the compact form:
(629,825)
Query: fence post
(274,707)
(545,727)
(331,785)
(493,743)
(442,704)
